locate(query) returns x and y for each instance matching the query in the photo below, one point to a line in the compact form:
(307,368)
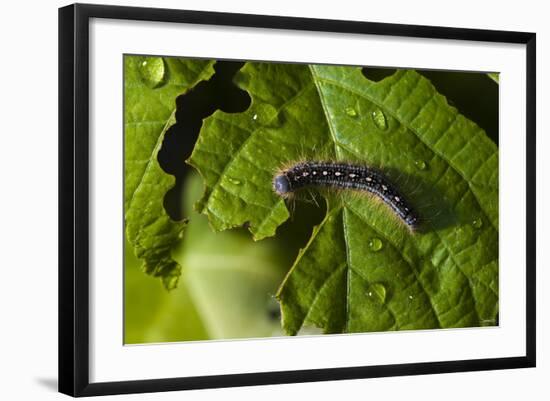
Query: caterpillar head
(281,185)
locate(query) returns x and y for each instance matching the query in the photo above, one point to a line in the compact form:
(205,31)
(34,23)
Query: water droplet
(234,181)
(267,115)
(378,290)
(350,111)
(421,164)
(477,223)
(375,244)
(379,119)
(411,297)
(153,72)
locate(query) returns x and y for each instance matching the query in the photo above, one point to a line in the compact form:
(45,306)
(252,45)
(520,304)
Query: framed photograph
(252,199)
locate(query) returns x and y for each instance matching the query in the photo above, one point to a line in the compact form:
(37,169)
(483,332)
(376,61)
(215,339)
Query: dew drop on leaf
(375,244)
(266,115)
(378,292)
(153,72)
(234,181)
(379,119)
(477,223)
(421,164)
(350,111)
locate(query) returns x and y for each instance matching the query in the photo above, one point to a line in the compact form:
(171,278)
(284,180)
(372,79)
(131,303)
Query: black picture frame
(74,198)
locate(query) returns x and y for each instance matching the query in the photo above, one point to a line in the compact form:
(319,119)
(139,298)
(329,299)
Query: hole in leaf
(463,89)
(218,93)
(377,74)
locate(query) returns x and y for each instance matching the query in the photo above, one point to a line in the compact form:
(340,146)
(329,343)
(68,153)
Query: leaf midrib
(315,79)
(403,257)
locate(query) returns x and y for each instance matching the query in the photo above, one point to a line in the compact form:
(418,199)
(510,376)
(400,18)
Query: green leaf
(151,85)
(222,293)
(495,76)
(444,275)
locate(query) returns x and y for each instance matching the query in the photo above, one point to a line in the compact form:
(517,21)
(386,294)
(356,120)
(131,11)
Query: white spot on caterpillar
(368,179)
(385,188)
(305,174)
(337,174)
(325,172)
(397,198)
(352,175)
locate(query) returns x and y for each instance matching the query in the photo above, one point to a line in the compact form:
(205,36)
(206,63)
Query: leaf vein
(338,84)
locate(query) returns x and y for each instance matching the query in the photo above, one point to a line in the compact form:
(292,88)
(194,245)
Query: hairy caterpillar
(345,176)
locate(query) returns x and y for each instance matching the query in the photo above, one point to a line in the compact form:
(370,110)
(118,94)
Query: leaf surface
(444,275)
(495,76)
(151,87)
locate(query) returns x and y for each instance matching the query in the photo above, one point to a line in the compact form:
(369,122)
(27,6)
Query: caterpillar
(345,176)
